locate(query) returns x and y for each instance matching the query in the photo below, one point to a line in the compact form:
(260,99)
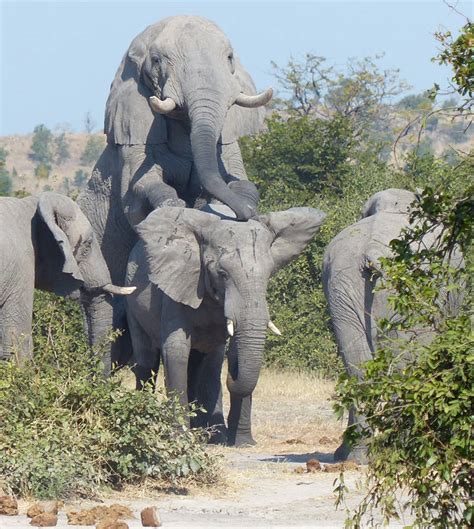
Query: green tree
(5,178)
(80,178)
(62,148)
(92,150)
(42,145)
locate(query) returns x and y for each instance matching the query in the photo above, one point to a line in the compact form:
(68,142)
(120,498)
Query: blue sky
(59,58)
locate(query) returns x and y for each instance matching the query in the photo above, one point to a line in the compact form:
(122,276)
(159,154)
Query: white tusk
(162,107)
(255,101)
(230,327)
(274,328)
(121,291)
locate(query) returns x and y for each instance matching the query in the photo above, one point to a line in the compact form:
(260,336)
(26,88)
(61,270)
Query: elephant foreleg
(15,326)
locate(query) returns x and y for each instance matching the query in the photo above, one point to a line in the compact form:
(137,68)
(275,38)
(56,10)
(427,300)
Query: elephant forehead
(233,235)
(190,30)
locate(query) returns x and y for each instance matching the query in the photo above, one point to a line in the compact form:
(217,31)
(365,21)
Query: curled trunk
(245,356)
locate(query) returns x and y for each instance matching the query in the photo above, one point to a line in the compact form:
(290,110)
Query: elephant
(46,242)
(201,277)
(177,106)
(351,271)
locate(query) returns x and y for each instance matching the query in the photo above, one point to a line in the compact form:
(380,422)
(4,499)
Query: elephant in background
(177,106)
(200,277)
(351,270)
(46,242)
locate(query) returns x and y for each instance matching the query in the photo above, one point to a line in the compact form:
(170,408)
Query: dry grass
(292,412)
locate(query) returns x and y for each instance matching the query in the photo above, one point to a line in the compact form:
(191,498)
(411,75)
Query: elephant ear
(57,211)
(171,240)
(242,121)
(293,229)
(129,119)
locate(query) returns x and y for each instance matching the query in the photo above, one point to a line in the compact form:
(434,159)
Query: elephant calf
(350,271)
(46,242)
(201,277)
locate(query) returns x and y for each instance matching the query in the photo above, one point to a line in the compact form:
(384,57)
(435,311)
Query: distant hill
(22,167)
(444,135)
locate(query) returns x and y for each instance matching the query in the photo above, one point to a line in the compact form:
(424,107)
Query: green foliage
(5,178)
(65,431)
(92,150)
(417,394)
(42,145)
(458,54)
(80,178)
(62,148)
(416,102)
(43,170)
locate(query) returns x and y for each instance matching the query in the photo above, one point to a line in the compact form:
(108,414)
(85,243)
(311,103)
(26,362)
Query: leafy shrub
(421,409)
(65,431)
(93,149)
(6,183)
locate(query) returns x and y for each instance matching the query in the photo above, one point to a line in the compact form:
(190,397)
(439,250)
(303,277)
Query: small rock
(42,507)
(45,519)
(111,523)
(8,506)
(150,517)
(80,518)
(299,470)
(313,465)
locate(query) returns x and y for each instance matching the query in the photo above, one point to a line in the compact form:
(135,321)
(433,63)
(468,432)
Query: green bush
(421,408)
(93,149)
(65,431)
(6,183)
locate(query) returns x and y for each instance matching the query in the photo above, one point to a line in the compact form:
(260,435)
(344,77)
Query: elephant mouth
(168,105)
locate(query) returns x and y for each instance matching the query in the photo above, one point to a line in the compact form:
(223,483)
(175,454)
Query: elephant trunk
(245,355)
(207,119)
(98,314)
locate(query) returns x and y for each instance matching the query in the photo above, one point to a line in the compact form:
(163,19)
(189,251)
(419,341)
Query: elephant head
(389,201)
(192,254)
(184,68)
(69,262)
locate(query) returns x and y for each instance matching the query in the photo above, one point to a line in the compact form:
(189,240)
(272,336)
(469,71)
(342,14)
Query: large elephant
(177,106)
(200,277)
(46,242)
(351,269)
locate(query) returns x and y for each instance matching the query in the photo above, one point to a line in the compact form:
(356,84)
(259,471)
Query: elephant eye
(230,59)
(223,274)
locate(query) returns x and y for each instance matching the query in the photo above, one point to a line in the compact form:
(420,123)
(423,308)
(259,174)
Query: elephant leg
(175,348)
(15,325)
(146,359)
(239,427)
(353,332)
(208,394)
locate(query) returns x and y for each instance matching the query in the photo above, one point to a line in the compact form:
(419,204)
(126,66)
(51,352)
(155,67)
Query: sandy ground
(293,422)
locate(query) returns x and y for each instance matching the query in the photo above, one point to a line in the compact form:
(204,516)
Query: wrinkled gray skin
(194,271)
(351,269)
(153,158)
(46,242)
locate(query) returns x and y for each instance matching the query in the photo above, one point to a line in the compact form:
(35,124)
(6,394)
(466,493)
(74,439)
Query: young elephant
(46,242)
(201,277)
(350,272)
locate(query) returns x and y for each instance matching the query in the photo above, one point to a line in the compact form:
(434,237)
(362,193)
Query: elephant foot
(242,440)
